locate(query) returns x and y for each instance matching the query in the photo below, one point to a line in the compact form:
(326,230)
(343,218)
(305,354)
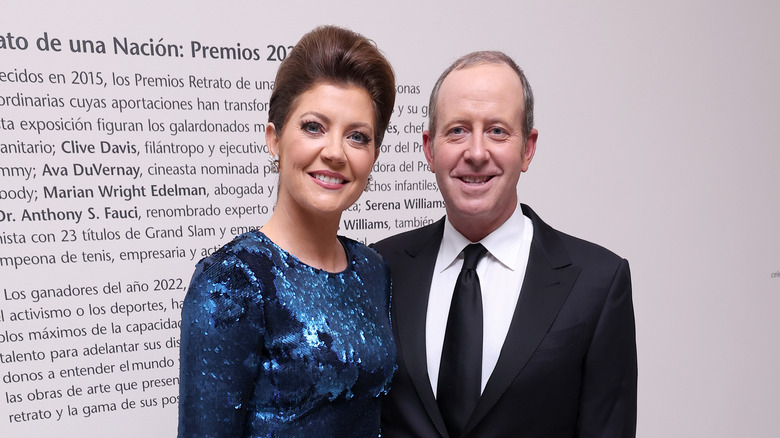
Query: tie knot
(471,255)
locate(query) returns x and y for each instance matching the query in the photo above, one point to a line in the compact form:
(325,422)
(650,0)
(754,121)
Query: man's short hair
(485,57)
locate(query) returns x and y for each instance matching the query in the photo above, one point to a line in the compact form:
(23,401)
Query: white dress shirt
(501,272)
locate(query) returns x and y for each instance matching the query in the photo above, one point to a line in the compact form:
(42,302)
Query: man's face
(478,153)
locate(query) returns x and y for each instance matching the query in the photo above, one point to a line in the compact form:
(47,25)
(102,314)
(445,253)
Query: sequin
(271,347)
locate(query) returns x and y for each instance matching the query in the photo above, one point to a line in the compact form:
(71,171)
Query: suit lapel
(412,307)
(549,278)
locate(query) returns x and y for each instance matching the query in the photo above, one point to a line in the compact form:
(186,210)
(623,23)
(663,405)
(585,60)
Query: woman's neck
(312,239)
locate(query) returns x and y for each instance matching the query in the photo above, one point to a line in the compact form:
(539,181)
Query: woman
(285,331)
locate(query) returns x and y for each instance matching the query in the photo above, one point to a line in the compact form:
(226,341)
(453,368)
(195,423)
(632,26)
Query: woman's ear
(272,139)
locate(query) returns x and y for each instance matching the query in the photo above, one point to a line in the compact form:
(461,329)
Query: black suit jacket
(568,365)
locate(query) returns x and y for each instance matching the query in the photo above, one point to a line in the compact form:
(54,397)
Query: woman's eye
(312,127)
(359,137)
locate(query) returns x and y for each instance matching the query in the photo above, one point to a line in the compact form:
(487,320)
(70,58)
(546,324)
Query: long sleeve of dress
(221,338)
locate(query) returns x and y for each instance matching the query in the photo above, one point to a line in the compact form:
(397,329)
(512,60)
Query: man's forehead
(485,73)
(491,90)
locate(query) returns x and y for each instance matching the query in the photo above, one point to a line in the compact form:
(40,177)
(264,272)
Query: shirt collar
(503,244)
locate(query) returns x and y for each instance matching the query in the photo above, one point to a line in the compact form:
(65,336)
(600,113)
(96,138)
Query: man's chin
(473,211)
(482,210)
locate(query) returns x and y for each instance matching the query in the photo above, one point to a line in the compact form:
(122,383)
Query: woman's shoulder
(228,279)
(361,252)
(249,242)
(366,262)
(237,260)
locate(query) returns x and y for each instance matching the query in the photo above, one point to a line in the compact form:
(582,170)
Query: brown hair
(485,57)
(340,56)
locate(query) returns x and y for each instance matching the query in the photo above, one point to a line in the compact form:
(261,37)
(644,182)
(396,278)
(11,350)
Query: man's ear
(428,148)
(530,149)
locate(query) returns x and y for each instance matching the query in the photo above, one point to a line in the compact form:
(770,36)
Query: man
(555,352)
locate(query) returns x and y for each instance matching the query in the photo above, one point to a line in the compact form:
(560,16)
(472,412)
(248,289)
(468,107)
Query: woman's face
(326,149)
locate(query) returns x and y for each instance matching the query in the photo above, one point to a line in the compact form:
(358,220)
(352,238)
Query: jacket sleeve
(608,399)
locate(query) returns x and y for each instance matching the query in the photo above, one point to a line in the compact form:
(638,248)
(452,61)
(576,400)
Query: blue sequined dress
(271,347)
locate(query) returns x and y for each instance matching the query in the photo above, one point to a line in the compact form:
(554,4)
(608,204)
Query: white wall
(657,125)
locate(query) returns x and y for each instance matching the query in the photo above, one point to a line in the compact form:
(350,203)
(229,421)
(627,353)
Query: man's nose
(477,149)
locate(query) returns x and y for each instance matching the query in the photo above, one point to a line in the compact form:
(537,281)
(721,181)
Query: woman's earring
(368,183)
(274,163)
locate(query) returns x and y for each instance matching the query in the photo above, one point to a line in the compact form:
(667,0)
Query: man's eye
(498,133)
(457,131)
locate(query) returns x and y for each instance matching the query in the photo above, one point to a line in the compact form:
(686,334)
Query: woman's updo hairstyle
(331,54)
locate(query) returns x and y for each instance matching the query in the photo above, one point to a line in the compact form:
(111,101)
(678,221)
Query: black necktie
(460,371)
